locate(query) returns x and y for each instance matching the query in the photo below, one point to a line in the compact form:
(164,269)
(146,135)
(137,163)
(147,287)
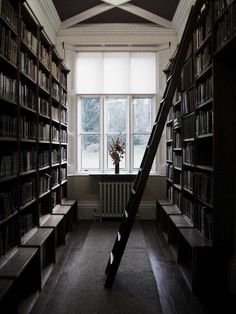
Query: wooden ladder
(150,152)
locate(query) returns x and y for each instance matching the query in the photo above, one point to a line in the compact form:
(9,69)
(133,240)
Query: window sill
(94,174)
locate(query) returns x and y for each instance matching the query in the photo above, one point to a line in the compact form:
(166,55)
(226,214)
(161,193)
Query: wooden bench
(44,240)
(7,297)
(23,268)
(195,259)
(159,204)
(67,211)
(56,222)
(73,204)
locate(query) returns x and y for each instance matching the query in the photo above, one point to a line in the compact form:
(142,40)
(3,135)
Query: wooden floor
(175,295)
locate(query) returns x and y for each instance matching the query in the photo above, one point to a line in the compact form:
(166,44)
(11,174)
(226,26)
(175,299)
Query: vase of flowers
(116,151)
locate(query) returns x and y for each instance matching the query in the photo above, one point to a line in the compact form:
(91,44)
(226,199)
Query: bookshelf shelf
(33,159)
(201,181)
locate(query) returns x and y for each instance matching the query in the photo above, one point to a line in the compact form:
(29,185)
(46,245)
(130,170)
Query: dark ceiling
(69,8)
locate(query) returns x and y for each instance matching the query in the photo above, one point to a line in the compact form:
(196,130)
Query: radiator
(114,197)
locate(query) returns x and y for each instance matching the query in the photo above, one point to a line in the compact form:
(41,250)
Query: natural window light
(116,97)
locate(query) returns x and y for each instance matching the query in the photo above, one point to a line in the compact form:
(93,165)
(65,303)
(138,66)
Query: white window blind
(116,73)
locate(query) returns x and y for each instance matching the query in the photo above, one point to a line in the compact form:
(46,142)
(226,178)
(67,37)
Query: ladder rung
(148,146)
(126,214)
(163,99)
(169,78)
(140,169)
(111,258)
(118,236)
(133,191)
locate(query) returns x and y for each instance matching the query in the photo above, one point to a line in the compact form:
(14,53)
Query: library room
(117,156)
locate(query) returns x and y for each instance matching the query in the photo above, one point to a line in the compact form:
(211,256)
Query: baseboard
(88,210)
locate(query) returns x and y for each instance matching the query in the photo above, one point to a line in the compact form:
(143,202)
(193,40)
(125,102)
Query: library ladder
(150,152)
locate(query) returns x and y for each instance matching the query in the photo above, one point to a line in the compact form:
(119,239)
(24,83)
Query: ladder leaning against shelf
(149,155)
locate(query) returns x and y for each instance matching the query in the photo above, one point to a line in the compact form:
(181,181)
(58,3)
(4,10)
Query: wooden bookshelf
(33,137)
(200,166)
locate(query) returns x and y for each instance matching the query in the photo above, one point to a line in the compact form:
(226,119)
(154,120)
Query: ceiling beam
(146,15)
(86,15)
(116,2)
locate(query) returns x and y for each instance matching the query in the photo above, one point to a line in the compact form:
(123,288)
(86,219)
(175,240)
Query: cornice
(116,34)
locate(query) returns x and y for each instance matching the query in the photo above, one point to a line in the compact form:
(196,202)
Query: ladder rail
(150,152)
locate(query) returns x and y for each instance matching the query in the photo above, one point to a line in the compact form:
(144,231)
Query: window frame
(103,155)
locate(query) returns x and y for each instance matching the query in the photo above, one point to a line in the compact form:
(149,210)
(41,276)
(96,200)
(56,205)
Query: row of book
(44,183)
(56,91)
(177,160)
(28,66)
(204,91)
(204,122)
(187,209)
(28,128)
(63,136)
(55,113)
(63,154)
(26,223)
(44,159)
(8,12)
(55,155)
(55,177)
(177,140)
(188,127)
(64,116)
(226,26)
(44,55)
(7,87)
(203,30)
(187,75)
(56,71)
(204,221)
(169,135)
(8,164)
(44,107)
(29,38)
(169,151)
(7,203)
(63,174)
(188,153)
(27,191)
(7,238)
(55,134)
(203,60)
(8,45)
(177,198)
(188,179)
(8,126)
(203,187)
(44,131)
(188,101)
(43,80)
(27,96)
(27,160)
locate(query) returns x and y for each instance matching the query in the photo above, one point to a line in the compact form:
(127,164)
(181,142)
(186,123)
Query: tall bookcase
(33,128)
(197,217)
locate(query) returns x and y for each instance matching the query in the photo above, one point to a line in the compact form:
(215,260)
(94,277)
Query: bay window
(116,95)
